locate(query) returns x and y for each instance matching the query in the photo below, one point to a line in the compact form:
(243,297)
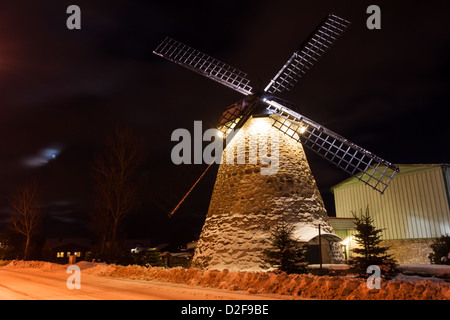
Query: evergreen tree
(149,258)
(369,251)
(286,254)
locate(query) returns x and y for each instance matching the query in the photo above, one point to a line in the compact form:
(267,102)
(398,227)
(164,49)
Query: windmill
(236,227)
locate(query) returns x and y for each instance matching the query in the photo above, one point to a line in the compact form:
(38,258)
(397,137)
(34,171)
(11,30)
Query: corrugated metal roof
(405,169)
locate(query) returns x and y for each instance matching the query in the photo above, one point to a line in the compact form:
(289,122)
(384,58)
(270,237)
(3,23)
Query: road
(32,284)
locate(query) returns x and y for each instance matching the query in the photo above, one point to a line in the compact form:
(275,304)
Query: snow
(261,283)
(438,270)
(340,267)
(305,233)
(33,284)
(416,278)
(41,265)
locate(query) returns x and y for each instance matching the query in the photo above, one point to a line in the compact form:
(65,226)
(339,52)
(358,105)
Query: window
(77,254)
(60,254)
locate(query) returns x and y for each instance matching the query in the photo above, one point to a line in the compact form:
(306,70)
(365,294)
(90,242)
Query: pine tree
(149,258)
(153,258)
(369,251)
(286,254)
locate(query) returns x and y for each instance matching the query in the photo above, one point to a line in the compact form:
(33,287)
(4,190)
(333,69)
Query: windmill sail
(304,58)
(235,115)
(173,193)
(203,64)
(369,168)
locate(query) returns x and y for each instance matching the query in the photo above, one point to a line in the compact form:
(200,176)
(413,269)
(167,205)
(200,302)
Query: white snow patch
(426,269)
(306,232)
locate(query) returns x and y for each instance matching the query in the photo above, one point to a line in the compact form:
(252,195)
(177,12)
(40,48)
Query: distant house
(414,210)
(60,249)
(137,245)
(179,256)
(177,259)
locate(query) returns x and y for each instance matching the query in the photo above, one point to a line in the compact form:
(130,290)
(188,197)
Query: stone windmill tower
(264,175)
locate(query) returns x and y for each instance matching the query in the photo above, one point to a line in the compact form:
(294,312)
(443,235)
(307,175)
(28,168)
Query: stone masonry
(245,204)
(407,251)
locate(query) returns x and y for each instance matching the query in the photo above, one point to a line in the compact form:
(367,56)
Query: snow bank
(4,262)
(86,265)
(41,265)
(47,266)
(304,286)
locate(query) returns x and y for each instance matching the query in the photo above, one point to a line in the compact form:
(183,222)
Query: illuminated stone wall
(245,204)
(407,251)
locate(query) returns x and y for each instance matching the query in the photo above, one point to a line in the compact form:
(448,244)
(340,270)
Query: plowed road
(32,284)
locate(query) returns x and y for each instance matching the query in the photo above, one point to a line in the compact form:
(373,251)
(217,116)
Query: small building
(413,211)
(344,228)
(178,256)
(60,249)
(319,250)
(177,259)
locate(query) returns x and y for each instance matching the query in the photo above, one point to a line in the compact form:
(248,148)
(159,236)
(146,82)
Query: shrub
(286,254)
(441,250)
(149,258)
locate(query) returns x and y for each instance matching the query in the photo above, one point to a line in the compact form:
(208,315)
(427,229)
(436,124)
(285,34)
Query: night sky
(63,91)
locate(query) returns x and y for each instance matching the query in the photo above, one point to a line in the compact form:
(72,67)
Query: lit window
(77,254)
(60,254)
(68,253)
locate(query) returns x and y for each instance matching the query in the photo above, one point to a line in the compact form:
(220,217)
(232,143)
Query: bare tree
(117,183)
(27,213)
